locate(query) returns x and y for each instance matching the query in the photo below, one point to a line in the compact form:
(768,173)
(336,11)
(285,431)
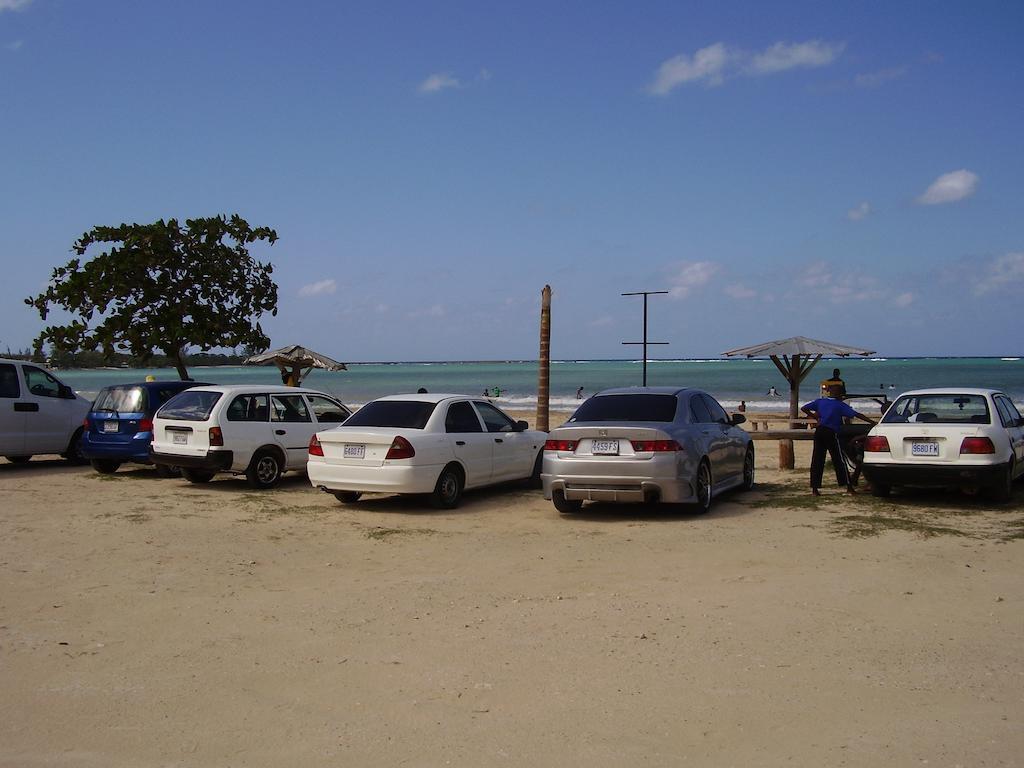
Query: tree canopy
(162,288)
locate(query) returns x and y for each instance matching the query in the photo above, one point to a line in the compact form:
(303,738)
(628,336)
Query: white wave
(1009,359)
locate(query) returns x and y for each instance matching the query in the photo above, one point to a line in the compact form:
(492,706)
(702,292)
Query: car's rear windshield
(939,409)
(125,399)
(189,405)
(407,414)
(627,407)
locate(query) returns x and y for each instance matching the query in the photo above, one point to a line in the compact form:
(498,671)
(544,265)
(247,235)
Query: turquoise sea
(728,380)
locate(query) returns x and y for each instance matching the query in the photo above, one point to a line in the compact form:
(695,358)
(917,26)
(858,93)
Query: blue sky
(846,171)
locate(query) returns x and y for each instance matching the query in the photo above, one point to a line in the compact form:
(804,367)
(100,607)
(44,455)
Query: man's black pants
(826,439)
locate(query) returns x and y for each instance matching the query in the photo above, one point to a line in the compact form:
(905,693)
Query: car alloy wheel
(264,470)
(703,487)
(748,469)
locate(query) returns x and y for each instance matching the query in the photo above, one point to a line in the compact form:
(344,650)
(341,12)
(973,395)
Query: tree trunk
(544,373)
(179,363)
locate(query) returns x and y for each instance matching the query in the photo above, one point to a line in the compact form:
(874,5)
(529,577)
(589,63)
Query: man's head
(835,373)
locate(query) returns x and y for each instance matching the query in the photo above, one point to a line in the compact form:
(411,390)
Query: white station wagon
(966,438)
(258,431)
(429,444)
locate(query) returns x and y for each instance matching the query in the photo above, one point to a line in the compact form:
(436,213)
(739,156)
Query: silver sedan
(649,445)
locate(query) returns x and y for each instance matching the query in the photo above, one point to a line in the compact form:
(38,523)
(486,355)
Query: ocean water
(728,380)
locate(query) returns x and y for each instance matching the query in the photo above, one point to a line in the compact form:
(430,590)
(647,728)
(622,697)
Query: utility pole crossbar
(645,343)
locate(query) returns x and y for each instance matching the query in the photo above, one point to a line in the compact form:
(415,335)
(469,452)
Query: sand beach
(148,622)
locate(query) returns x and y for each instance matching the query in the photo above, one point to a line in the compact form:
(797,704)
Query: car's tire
(703,488)
(564,505)
(105,466)
(347,497)
(264,470)
(748,469)
(166,470)
(73,454)
(18,459)
(448,489)
(1003,488)
(197,475)
(533,481)
(881,490)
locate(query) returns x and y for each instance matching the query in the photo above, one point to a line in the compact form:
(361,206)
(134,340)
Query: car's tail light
(400,449)
(85,423)
(876,444)
(977,445)
(216,436)
(145,425)
(560,445)
(315,449)
(655,446)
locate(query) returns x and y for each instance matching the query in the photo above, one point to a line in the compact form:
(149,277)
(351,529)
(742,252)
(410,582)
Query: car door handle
(26,406)
(498,440)
(460,442)
(280,432)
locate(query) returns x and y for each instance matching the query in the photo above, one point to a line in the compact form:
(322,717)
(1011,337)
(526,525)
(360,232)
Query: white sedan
(424,444)
(966,438)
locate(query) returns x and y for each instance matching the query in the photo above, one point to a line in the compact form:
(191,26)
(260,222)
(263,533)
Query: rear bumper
(386,478)
(135,449)
(625,480)
(932,475)
(216,461)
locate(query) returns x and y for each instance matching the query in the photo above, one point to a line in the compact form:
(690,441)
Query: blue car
(119,427)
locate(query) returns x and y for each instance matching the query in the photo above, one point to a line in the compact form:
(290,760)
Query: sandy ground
(148,622)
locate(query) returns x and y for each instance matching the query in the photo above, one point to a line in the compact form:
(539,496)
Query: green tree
(162,288)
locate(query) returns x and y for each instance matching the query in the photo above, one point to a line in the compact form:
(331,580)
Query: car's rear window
(627,407)
(944,408)
(408,414)
(122,399)
(189,405)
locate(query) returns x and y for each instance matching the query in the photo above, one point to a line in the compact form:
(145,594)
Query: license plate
(924,449)
(605,447)
(179,438)
(110,426)
(354,452)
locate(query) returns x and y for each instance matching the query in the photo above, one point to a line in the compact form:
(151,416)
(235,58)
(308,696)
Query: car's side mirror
(522,426)
(736,419)
(66,392)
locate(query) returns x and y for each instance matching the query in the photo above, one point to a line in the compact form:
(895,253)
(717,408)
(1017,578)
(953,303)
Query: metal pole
(645,294)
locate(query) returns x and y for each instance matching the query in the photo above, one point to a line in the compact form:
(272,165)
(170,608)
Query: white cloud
(879,77)
(785,56)
(715,63)
(14,45)
(903,300)
(13,5)
(950,187)
(318,288)
(816,275)
(690,275)
(707,65)
(859,211)
(739,291)
(438,82)
(1004,272)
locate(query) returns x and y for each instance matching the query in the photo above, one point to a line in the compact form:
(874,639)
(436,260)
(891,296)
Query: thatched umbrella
(795,357)
(295,362)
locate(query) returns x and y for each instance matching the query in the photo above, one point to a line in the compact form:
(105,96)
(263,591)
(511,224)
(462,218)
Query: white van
(38,413)
(255,430)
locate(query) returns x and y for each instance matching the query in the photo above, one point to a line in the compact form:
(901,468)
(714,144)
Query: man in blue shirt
(830,412)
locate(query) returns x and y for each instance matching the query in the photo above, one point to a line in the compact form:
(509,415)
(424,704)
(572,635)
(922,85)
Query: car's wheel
(1003,488)
(18,459)
(105,466)
(702,487)
(264,470)
(347,497)
(748,469)
(564,505)
(533,481)
(448,489)
(197,475)
(880,490)
(73,454)
(166,470)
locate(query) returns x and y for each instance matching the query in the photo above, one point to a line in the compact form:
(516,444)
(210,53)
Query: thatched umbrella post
(544,363)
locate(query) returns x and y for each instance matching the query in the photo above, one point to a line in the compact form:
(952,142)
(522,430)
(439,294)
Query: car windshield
(189,405)
(945,408)
(407,414)
(627,407)
(122,399)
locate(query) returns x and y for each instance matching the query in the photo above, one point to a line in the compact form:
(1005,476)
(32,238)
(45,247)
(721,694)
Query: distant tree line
(91,359)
